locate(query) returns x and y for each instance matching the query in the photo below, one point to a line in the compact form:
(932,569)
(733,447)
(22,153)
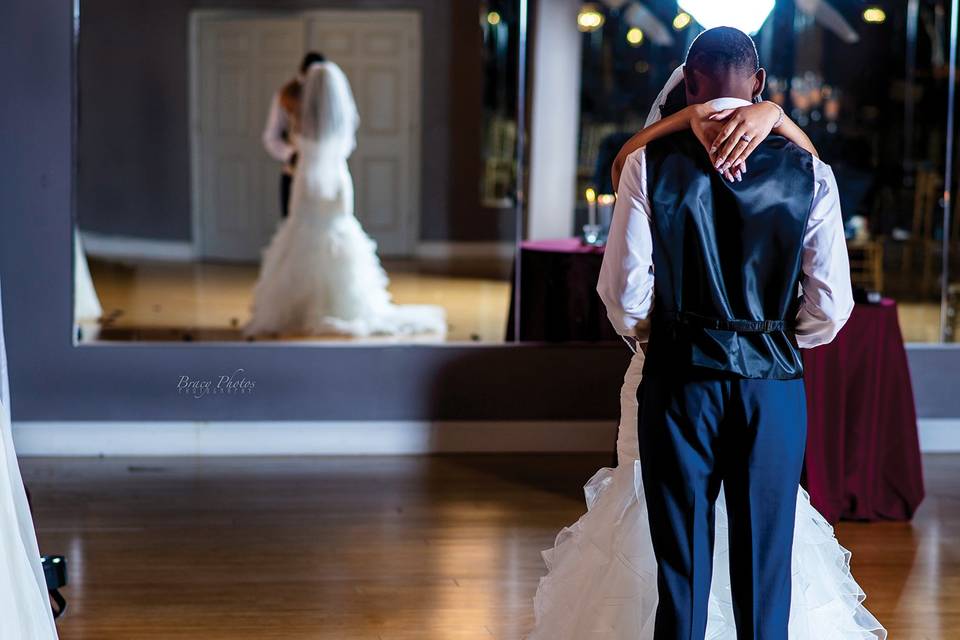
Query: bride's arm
(671,124)
(727,147)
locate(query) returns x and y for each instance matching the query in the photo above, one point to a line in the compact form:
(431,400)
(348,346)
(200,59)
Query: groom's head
(723,63)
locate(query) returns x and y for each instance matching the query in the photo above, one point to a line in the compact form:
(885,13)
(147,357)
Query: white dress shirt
(626,276)
(278,132)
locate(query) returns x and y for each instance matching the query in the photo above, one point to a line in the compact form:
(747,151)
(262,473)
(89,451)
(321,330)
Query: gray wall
(134,144)
(52,380)
(134,156)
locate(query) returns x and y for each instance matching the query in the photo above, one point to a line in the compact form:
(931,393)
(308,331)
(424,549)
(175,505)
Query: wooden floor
(384,548)
(211,301)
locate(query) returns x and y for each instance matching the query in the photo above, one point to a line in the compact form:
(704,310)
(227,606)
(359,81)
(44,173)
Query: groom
(708,270)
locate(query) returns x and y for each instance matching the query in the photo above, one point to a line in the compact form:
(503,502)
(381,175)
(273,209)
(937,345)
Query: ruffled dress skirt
(602,574)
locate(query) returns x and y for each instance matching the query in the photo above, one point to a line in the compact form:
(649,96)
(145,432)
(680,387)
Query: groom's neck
(724,85)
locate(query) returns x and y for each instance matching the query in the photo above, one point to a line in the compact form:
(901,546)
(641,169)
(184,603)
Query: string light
(635,36)
(493,18)
(681,21)
(874,15)
(589,18)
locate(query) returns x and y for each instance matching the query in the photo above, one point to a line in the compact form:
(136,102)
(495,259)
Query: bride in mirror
(320,274)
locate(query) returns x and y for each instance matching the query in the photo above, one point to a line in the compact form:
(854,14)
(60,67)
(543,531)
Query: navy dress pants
(700,430)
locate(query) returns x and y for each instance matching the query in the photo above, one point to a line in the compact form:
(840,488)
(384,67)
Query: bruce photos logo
(234,384)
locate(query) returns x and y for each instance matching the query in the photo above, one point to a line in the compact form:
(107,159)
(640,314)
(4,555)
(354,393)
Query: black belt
(686,318)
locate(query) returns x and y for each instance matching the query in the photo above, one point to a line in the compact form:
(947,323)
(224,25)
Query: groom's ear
(759,82)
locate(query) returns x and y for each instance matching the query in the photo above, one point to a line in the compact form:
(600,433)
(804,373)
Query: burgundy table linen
(558,282)
(863,452)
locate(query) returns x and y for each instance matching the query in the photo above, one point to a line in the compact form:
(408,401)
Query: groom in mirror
(283,125)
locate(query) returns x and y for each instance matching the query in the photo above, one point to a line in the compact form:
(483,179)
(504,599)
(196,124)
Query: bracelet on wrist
(782,114)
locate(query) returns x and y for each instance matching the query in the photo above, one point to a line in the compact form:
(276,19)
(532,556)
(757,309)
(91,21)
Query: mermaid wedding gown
(602,575)
(24,605)
(320,274)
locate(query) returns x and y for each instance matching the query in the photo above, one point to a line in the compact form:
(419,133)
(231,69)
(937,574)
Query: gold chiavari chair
(926,204)
(866,264)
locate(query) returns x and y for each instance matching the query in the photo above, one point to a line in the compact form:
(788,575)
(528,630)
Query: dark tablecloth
(863,454)
(558,282)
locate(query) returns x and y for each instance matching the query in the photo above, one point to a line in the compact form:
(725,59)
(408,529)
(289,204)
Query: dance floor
(211,301)
(383,548)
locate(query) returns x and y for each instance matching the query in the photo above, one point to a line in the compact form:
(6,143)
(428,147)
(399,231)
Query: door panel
(241,61)
(380,53)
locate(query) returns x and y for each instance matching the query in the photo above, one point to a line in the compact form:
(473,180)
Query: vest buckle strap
(686,318)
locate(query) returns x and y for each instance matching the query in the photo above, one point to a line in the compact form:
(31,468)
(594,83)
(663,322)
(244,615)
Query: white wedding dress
(24,604)
(320,274)
(602,574)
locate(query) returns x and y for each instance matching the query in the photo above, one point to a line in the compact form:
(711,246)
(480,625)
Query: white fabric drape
(24,605)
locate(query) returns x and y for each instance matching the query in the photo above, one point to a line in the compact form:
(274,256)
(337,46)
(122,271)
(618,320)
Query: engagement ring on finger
(746,137)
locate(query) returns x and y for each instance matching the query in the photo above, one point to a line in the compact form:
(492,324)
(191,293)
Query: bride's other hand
(744,128)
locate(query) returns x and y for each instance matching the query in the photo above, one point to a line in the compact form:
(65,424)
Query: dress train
(320,274)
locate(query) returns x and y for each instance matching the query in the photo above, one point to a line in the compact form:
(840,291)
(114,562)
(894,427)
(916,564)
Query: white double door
(240,60)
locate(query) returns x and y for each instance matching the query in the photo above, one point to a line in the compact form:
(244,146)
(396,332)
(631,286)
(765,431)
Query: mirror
(879,119)
(319,175)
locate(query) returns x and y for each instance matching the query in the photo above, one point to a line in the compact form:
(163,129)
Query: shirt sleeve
(825,282)
(273,133)
(626,275)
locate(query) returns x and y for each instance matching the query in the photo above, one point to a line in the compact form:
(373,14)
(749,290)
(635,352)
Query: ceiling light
(746,15)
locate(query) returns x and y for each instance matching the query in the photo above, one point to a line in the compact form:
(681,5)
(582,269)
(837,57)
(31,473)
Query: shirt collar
(728,103)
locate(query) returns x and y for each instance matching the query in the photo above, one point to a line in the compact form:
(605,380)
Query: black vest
(727,258)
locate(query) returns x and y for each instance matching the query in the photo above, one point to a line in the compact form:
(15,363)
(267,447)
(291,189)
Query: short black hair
(721,49)
(311,58)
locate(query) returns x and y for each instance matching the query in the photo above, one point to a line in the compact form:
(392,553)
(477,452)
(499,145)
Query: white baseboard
(350,438)
(308,438)
(939,435)
(128,248)
(441,250)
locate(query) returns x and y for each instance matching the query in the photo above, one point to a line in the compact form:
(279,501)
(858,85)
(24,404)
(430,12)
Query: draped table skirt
(863,451)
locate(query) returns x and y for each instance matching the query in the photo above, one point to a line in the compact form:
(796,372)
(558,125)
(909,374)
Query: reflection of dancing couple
(320,274)
(702,531)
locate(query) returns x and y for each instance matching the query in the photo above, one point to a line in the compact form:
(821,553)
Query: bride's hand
(706,129)
(744,128)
